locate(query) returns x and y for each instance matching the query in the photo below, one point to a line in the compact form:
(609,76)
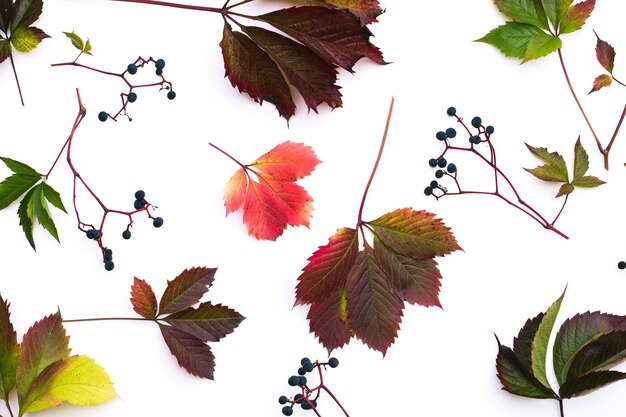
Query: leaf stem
(560,211)
(174,5)
(610,145)
(8,404)
(228,155)
(560,400)
(108,319)
(17,80)
(380,154)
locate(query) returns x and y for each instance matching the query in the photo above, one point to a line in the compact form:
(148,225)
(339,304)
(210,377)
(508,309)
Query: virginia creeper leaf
(539,347)
(337,37)
(588,181)
(23,178)
(251,70)
(26,214)
(523,11)
(43,344)
(235,191)
(554,170)
(605,54)
(9,350)
(208,322)
(25,13)
(523,343)
(53,197)
(512,38)
(264,214)
(5,50)
(541,45)
(555,9)
(143,299)
(328,320)
(565,189)
(374,310)
(600,82)
(576,16)
(186,289)
(42,212)
(581,160)
(288,161)
(416,282)
(589,382)
(366,10)
(78,42)
(26,39)
(191,353)
(416,234)
(603,352)
(327,269)
(304,70)
(77,380)
(577,332)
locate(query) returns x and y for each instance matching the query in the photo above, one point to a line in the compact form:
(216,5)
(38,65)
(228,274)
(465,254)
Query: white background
(443,362)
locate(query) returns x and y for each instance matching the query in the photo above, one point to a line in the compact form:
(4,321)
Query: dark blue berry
(489,129)
(132,69)
(450,132)
(314,403)
(103,116)
(477,121)
(621,265)
(428,191)
(451,168)
(171,95)
(434,184)
(139,204)
(126,234)
(132,97)
(140,194)
(108,254)
(441,163)
(93,233)
(159,63)
(451,111)
(305,405)
(308,366)
(109,265)
(287,410)
(304,360)
(297,397)
(475,140)
(157,222)
(302,380)
(301,370)
(333,362)
(293,380)
(438,173)
(283,399)
(159,71)
(432,162)
(441,135)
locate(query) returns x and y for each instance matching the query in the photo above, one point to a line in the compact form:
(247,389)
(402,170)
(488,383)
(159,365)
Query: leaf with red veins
(191,353)
(287,161)
(328,268)
(143,299)
(327,320)
(374,311)
(186,289)
(313,77)
(337,37)
(600,82)
(576,16)
(235,191)
(251,70)
(605,54)
(366,10)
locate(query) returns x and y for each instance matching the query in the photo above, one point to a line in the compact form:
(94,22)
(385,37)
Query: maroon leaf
(186,289)
(602,352)
(523,343)
(605,54)
(9,350)
(26,12)
(337,37)
(589,382)
(327,320)
(366,10)
(208,322)
(251,70)
(191,353)
(143,299)
(5,50)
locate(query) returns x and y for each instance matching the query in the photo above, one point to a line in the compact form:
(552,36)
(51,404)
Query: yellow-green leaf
(540,45)
(27,39)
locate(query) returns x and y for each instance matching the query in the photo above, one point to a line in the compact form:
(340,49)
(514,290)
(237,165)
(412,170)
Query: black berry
(489,129)
(428,191)
(441,163)
(103,116)
(140,194)
(308,366)
(171,95)
(157,222)
(451,111)
(93,234)
(302,380)
(333,362)
(305,405)
(438,173)
(159,71)
(441,135)
(159,63)
(621,265)
(432,162)
(477,121)
(126,234)
(450,132)
(139,204)
(434,184)
(297,397)
(132,97)
(109,265)
(475,140)
(108,254)
(283,399)
(304,360)
(293,380)
(287,410)
(301,370)
(132,69)
(451,168)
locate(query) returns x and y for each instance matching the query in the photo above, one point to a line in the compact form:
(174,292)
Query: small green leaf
(27,39)
(42,212)
(555,169)
(540,342)
(576,16)
(589,382)
(581,160)
(512,38)
(565,189)
(541,45)
(75,39)
(588,181)
(27,216)
(53,197)
(87,48)
(524,11)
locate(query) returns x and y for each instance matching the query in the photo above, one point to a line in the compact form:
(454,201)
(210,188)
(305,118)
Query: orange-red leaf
(143,299)
(327,320)
(264,214)
(288,161)
(600,82)
(235,191)
(605,54)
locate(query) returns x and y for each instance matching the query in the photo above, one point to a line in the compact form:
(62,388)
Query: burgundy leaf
(191,353)
(186,289)
(327,320)
(143,299)
(208,322)
(605,54)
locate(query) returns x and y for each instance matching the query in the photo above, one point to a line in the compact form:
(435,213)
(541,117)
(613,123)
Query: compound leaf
(143,299)
(9,350)
(524,11)
(576,16)
(186,289)
(600,82)
(554,170)
(191,353)
(78,42)
(589,382)
(208,322)
(25,13)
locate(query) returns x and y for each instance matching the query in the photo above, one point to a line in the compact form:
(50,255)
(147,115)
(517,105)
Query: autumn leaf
(208,322)
(83,46)
(605,54)
(143,299)
(576,16)
(191,353)
(186,289)
(523,11)
(600,82)
(274,200)
(366,10)
(9,350)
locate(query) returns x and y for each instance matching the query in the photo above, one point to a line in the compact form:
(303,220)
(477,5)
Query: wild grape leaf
(581,160)
(9,350)
(565,189)
(588,181)
(513,38)
(191,353)
(524,11)
(416,234)
(5,50)
(77,41)
(604,351)
(43,344)
(555,9)
(328,320)
(589,382)
(576,16)
(34,206)
(208,322)
(25,13)
(77,380)
(186,289)
(600,82)
(275,200)
(337,37)
(143,299)
(605,54)
(366,10)
(554,170)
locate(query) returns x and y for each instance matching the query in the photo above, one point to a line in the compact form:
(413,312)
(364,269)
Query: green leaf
(15,186)
(416,234)
(5,50)
(42,212)
(77,380)
(26,214)
(541,339)
(512,38)
(208,322)
(576,16)
(524,11)
(602,353)
(541,45)
(186,289)
(581,160)
(600,82)
(78,42)
(87,48)
(575,333)
(43,344)
(9,350)
(25,13)
(20,167)
(515,378)
(565,189)
(27,39)
(53,197)
(523,343)
(555,169)
(588,181)
(555,9)
(191,353)
(589,382)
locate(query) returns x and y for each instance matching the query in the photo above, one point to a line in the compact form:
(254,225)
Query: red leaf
(287,161)
(235,191)
(9,350)
(251,70)
(374,310)
(191,353)
(264,214)
(605,54)
(327,320)
(186,289)
(337,37)
(600,82)
(576,16)
(143,299)
(208,322)
(327,268)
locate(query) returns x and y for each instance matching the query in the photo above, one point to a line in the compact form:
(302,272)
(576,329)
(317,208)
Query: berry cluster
(308,397)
